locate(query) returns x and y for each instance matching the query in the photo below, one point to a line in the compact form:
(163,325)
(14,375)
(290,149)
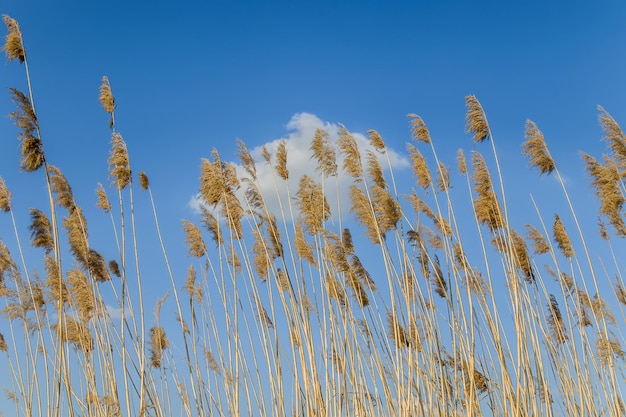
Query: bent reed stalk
(407,305)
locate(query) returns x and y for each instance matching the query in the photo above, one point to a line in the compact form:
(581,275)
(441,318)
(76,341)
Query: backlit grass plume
(13,44)
(536,149)
(475,119)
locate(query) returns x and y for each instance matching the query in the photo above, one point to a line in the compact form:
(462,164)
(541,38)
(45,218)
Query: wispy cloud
(300,132)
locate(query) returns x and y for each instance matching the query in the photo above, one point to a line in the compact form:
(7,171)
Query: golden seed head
(562,238)
(195,244)
(158,343)
(5,197)
(103,200)
(536,149)
(376,140)
(106,96)
(281,161)
(476,120)
(419,131)
(119,164)
(144,182)
(13,43)
(324,152)
(40,231)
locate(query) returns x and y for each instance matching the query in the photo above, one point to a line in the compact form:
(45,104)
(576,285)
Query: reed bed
(279,316)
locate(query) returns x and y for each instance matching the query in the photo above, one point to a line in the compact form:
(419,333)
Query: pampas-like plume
(144,181)
(193,238)
(555,321)
(486,205)
(540,245)
(375,171)
(419,131)
(61,188)
(76,229)
(212,225)
(376,140)
(420,168)
(460,162)
(262,260)
(13,43)
(562,238)
(303,248)
(536,149)
(82,294)
(608,349)
(281,161)
(103,201)
(3,344)
(476,120)
(346,241)
(106,96)
(396,331)
(40,231)
(443,177)
(521,259)
(114,268)
(617,140)
(119,164)
(5,197)
(190,287)
(158,343)
(606,182)
(351,155)
(324,153)
(97,267)
(246,159)
(441,287)
(364,213)
(312,204)
(25,118)
(78,334)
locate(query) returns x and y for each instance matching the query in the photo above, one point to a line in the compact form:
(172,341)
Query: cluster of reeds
(278,314)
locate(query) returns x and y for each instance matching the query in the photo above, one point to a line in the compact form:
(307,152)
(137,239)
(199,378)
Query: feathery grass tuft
(476,120)
(13,45)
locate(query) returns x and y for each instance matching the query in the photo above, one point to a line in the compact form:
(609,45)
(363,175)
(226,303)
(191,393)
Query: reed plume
(461,163)
(312,204)
(25,118)
(144,181)
(103,200)
(376,140)
(420,167)
(476,120)
(40,231)
(303,249)
(614,135)
(351,156)
(281,161)
(83,297)
(562,238)
(61,188)
(419,131)
(3,344)
(395,331)
(195,244)
(158,343)
(106,96)
(540,245)
(324,152)
(119,164)
(486,205)
(13,44)
(536,150)
(247,162)
(76,333)
(555,321)
(5,197)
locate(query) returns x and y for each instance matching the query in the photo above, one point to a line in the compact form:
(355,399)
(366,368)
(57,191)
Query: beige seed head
(13,43)
(476,120)
(106,96)
(5,197)
(144,182)
(419,131)
(536,150)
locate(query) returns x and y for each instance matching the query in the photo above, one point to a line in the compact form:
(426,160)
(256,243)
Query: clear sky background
(190,76)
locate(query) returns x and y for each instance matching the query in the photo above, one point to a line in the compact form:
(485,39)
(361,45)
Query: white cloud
(300,132)
(114,312)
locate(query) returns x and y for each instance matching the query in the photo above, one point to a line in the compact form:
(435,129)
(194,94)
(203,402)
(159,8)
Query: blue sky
(190,76)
